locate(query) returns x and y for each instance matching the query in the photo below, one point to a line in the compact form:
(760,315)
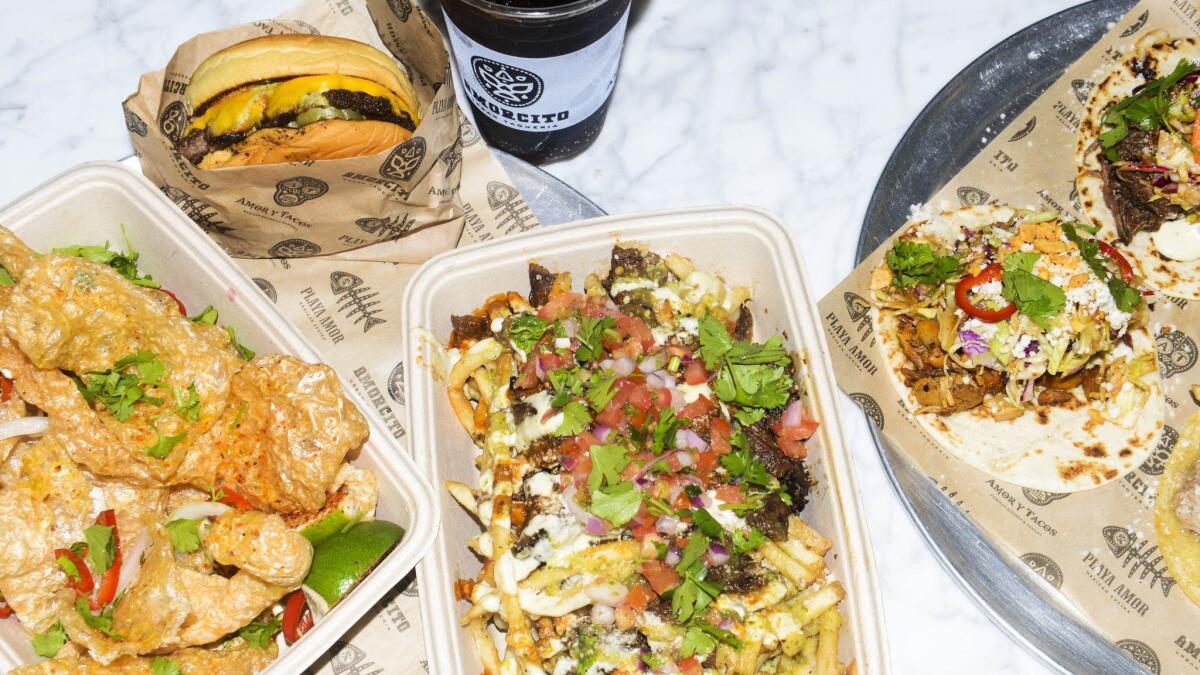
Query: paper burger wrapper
(1094,552)
(402,205)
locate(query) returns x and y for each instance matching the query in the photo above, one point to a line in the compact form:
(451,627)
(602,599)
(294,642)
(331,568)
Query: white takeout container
(89,204)
(744,245)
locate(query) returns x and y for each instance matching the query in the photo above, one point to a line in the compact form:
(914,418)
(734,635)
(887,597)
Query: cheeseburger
(292,98)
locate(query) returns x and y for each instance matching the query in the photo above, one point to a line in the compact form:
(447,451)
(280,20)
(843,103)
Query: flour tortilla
(1180,547)
(1050,448)
(1171,277)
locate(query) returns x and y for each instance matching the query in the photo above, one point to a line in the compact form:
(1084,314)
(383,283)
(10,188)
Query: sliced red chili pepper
(1120,260)
(6,388)
(182,309)
(297,619)
(108,583)
(5,610)
(962,292)
(231,498)
(85,584)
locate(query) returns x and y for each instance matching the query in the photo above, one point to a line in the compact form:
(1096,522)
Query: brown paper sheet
(1096,550)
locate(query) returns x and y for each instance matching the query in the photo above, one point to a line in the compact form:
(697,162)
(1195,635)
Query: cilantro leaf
(161,665)
(697,546)
(1034,297)
(6,279)
(586,652)
(720,633)
(124,263)
(741,464)
(566,383)
(1021,261)
(617,504)
(47,644)
(101,622)
(124,385)
(101,547)
(1125,297)
(745,541)
(608,461)
(748,416)
(714,340)
(243,351)
(696,641)
(207,317)
(755,375)
(600,389)
(68,567)
(692,596)
(164,444)
(575,419)
(1146,110)
(665,430)
(915,263)
(525,330)
(185,534)
(705,522)
(260,633)
(591,337)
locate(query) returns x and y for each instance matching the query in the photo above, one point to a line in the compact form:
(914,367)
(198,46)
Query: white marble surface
(793,106)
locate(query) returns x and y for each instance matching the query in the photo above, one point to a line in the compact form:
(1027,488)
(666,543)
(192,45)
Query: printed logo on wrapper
(1142,653)
(173,120)
(295,191)
(1024,131)
(1082,90)
(133,123)
(294,248)
(1043,498)
(386,228)
(860,312)
(1157,461)
(1176,353)
(511,211)
(972,196)
(1137,25)
(267,288)
(350,660)
(451,157)
(539,94)
(200,211)
(395,388)
(356,299)
(1138,557)
(1043,566)
(870,408)
(401,8)
(404,160)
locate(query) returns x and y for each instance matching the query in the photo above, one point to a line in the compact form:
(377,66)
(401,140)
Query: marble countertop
(792,106)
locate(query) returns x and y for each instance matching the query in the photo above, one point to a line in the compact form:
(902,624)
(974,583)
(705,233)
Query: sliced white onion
(793,414)
(316,603)
(655,381)
(607,594)
(623,366)
(197,510)
(131,561)
(648,365)
(24,426)
(672,558)
(603,615)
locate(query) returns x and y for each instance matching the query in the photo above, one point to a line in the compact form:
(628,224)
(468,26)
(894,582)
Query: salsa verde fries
(641,479)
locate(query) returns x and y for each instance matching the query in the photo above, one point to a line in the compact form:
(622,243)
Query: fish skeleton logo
(295,191)
(1157,461)
(395,383)
(133,123)
(1082,90)
(1044,567)
(510,85)
(1043,498)
(468,133)
(870,408)
(387,228)
(355,299)
(1024,131)
(860,311)
(1138,554)
(972,196)
(1141,652)
(350,660)
(267,287)
(511,211)
(401,8)
(404,160)
(201,212)
(1135,27)
(451,157)
(1176,352)
(173,120)
(293,248)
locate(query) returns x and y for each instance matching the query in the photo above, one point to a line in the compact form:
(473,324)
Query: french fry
(464,495)
(477,355)
(827,642)
(788,566)
(485,647)
(815,601)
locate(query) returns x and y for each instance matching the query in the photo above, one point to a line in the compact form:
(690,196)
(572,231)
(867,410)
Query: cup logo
(404,160)
(512,86)
(295,191)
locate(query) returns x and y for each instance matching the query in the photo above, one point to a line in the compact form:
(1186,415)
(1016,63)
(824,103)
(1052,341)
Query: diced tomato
(593,307)
(791,439)
(231,498)
(690,666)
(178,302)
(793,448)
(551,361)
(633,327)
(5,610)
(585,440)
(720,433)
(528,378)
(560,307)
(697,409)
(706,462)
(695,373)
(730,494)
(681,501)
(583,467)
(640,398)
(662,577)
(639,596)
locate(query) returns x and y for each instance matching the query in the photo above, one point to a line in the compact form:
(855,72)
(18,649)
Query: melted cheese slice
(243,109)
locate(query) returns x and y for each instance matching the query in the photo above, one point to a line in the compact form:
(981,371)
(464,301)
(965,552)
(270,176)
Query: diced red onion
(677,401)
(717,555)
(667,524)
(973,344)
(596,527)
(602,431)
(1170,188)
(623,366)
(603,615)
(607,594)
(725,624)
(684,458)
(537,368)
(700,500)
(690,439)
(668,379)
(648,365)
(653,380)
(1027,395)
(568,462)
(793,415)
(570,327)
(573,506)
(672,558)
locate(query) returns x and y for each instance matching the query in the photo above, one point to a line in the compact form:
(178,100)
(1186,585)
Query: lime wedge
(330,524)
(344,558)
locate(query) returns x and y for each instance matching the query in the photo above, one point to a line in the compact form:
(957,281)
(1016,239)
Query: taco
(1019,342)
(1177,511)
(1138,161)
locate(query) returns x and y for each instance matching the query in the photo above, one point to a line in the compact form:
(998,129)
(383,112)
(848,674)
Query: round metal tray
(940,142)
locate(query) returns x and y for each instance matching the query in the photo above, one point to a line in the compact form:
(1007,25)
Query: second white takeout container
(90,204)
(746,246)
